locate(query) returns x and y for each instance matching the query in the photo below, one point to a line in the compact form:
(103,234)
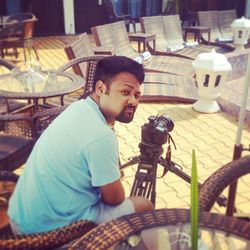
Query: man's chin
(125,119)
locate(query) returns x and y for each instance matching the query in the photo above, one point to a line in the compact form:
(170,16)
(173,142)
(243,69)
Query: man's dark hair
(110,66)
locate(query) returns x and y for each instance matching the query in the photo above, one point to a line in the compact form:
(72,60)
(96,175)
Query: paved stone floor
(212,136)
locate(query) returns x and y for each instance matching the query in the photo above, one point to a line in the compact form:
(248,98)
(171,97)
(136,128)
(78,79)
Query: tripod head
(154,134)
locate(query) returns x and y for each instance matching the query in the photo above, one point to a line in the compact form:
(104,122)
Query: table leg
(154,45)
(144,46)
(139,47)
(199,36)
(185,36)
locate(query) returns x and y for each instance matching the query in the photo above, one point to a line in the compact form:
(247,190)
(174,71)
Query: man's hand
(113,193)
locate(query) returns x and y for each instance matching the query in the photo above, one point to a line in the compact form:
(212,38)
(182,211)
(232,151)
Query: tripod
(145,178)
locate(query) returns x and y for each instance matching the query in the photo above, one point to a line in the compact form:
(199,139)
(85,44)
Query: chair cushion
(14,151)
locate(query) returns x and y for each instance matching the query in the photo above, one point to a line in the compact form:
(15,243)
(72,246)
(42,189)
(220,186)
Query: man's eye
(137,96)
(126,92)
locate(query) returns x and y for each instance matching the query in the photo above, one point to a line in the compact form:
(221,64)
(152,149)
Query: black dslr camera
(156,130)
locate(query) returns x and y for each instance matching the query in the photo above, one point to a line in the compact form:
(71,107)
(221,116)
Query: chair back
(173,30)
(154,25)
(26,23)
(210,19)
(90,70)
(114,35)
(226,17)
(79,48)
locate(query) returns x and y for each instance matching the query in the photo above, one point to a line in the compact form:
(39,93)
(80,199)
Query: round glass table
(42,85)
(167,229)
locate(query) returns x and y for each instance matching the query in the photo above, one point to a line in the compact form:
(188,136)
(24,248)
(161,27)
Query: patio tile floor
(211,135)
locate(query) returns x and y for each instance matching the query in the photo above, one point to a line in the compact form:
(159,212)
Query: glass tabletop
(177,237)
(39,85)
(167,229)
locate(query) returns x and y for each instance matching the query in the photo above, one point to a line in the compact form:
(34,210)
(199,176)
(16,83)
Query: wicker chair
(16,140)
(169,35)
(87,72)
(48,240)
(222,178)
(119,233)
(115,35)
(23,33)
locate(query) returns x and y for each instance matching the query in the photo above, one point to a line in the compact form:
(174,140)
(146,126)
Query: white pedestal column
(69,16)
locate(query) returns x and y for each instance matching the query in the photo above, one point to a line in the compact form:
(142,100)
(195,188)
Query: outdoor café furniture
(144,39)
(197,32)
(115,35)
(84,66)
(20,34)
(49,240)
(219,22)
(17,138)
(83,48)
(21,86)
(166,229)
(221,179)
(169,37)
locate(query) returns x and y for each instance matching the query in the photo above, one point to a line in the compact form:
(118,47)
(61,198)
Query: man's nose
(133,100)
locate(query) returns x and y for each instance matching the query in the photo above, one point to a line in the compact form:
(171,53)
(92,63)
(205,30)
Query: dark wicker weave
(48,240)
(90,69)
(222,178)
(16,140)
(42,119)
(107,234)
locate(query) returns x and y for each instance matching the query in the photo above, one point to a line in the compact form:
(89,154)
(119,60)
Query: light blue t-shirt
(60,183)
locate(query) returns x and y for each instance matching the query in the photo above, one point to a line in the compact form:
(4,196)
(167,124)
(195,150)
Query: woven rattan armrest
(48,240)
(21,124)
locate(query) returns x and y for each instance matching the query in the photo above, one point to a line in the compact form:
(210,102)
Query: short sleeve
(102,157)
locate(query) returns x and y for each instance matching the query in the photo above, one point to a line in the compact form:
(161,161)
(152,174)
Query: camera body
(156,130)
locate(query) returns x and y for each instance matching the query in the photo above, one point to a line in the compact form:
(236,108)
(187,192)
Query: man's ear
(100,87)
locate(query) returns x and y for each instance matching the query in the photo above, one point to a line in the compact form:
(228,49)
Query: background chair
(113,16)
(22,37)
(210,19)
(87,73)
(226,17)
(169,36)
(115,35)
(48,240)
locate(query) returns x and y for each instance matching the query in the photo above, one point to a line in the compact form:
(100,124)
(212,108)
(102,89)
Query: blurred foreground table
(167,229)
